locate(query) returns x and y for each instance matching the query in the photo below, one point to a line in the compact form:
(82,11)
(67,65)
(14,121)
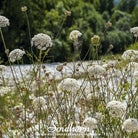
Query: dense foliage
(87,16)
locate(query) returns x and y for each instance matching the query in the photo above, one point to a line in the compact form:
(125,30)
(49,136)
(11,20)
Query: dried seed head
(78,64)
(59,68)
(7,51)
(119,59)
(113,57)
(111,46)
(68,13)
(65,63)
(43,67)
(109,23)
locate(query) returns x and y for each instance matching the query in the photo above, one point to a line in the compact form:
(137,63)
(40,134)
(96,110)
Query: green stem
(29,33)
(28,24)
(40,56)
(97,51)
(96,54)
(135,40)
(7,55)
(24,98)
(61,27)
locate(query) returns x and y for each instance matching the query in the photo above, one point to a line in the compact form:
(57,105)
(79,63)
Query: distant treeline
(88,16)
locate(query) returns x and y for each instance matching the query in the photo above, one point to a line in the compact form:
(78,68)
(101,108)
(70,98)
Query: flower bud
(24,8)
(68,13)
(111,46)
(7,51)
(109,23)
(95,39)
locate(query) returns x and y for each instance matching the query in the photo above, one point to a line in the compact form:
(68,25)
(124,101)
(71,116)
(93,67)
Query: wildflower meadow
(96,98)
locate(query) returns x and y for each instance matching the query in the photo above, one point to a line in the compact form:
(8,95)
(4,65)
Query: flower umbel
(74,35)
(41,41)
(91,123)
(69,84)
(39,102)
(134,30)
(96,70)
(130,55)
(4,21)
(131,125)
(16,54)
(116,108)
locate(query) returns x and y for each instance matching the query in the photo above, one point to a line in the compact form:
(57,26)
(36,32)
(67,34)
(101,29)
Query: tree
(117,15)
(123,24)
(97,4)
(106,5)
(134,17)
(127,5)
(118,39)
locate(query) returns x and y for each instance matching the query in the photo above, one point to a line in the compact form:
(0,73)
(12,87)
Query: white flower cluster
(116,108)
(91,123)
(4,90)
(16,54)
(130,55)
(134,30)
(69,84)
(74,35)
(131,125)
(132,65)
(4,21)
(41,41)
(96,69)
(2,68)
(112,64)
(39,102)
